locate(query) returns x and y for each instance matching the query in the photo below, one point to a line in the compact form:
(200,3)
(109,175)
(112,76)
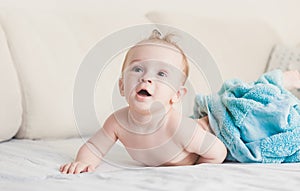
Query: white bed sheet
(33,165)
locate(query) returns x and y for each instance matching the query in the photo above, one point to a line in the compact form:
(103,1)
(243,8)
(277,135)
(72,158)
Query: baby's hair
(156,35)
(167,39)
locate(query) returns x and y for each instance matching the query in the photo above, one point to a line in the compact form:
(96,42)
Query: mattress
(33,165)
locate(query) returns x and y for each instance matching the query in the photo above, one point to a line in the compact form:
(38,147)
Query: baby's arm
(90,154)
(86,161)
(207,145)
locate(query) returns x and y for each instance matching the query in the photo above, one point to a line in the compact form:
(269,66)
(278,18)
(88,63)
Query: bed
(42,45)
(33,165)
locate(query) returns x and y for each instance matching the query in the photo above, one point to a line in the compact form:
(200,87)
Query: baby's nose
(147,77)
(145,80)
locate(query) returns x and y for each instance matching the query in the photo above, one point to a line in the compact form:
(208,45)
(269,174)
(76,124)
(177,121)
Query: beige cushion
(48,46)
(240,47)
(10,94)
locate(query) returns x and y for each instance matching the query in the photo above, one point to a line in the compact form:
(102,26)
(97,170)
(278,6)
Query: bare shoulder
(183,127)
(178,120)
(115,120)
(203,123)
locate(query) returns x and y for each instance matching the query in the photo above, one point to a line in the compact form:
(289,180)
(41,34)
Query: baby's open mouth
(144,93)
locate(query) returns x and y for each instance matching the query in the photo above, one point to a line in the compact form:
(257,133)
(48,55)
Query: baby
(150,128)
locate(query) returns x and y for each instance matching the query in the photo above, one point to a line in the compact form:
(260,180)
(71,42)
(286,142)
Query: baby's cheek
(130,85)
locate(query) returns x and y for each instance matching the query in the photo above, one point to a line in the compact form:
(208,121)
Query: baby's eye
(137,69)
(162,74)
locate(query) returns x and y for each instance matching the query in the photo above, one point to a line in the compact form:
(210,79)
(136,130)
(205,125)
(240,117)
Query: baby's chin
(150,107)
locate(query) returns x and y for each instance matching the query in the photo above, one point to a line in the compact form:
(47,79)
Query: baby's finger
(64,168)
(61,167)
(90,168)
(72,168)
(80,168)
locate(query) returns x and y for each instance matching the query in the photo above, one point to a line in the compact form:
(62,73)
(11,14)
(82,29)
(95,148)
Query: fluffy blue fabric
(258,122)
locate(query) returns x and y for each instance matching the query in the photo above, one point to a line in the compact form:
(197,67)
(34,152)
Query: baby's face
(152,76)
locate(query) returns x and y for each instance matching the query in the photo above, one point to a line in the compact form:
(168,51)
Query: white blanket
(33,165)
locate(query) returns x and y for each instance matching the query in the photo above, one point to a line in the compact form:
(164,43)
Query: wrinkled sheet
(33,165)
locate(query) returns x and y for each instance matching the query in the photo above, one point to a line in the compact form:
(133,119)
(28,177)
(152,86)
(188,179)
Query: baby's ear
(179,94)
(121,86)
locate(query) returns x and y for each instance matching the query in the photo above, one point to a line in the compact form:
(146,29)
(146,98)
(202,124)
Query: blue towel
(258,122)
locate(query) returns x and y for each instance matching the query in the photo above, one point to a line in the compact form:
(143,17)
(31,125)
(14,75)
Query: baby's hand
(76,168)
(291,79)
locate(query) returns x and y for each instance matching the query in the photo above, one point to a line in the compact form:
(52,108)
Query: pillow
(285,58)
(239,46)
(10,94)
